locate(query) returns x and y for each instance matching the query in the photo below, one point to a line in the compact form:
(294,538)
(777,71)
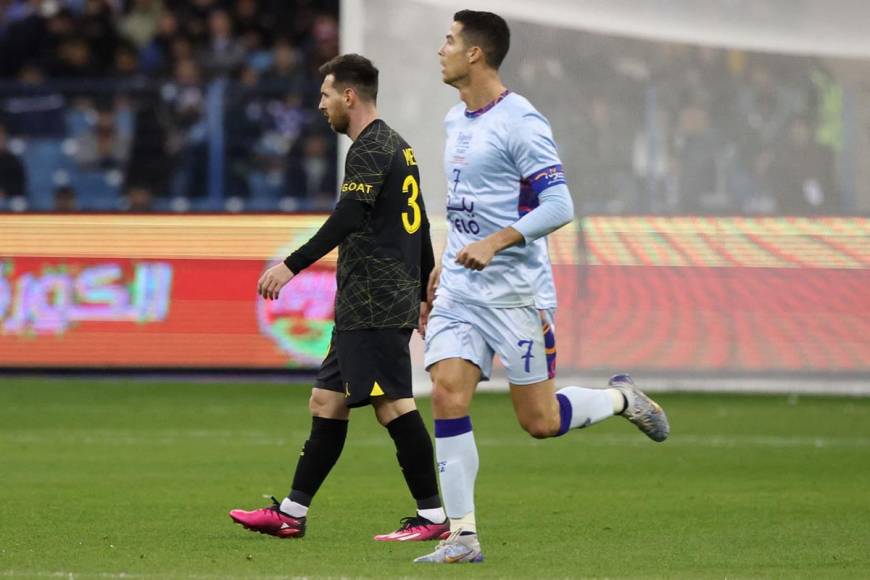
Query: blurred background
(716,154)
(143,105)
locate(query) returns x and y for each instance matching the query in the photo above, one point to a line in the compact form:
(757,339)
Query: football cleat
(458,548)
(417,529)
(271,521)
(640,409)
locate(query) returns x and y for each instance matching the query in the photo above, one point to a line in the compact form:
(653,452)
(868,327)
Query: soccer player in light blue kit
(506,192)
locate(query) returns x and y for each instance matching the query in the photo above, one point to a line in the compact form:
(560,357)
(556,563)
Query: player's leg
(457,358)
(388,386)
(544,411)
(524,339)
(416,458)
(453,383)
(329,419)
(287,518)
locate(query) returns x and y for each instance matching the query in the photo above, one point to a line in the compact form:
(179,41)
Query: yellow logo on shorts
(346,389)
(377,391)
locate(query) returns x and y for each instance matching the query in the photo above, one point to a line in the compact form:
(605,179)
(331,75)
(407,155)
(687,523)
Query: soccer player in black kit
(384,260)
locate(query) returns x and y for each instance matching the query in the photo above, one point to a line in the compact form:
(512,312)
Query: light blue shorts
(477,333)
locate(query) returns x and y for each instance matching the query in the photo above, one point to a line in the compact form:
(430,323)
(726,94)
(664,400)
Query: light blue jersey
(498,160)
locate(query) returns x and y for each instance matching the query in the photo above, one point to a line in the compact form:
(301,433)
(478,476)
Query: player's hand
(424,318)
(273,280)
(476,255)
(432,286)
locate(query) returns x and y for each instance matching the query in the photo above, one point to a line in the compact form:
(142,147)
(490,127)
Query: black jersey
(384,265)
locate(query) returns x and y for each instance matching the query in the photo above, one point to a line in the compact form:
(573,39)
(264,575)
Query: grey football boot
(456,549)
(640,409)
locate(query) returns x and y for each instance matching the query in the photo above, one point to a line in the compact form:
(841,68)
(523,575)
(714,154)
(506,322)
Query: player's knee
(448,402)
(540,428)
(325,404)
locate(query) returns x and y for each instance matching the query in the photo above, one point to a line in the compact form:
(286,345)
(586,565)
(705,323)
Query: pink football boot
(417,529)
(271,521)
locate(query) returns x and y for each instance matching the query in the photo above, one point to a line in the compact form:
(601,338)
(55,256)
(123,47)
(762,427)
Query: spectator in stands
(607,145)
(97,25)
(59,27)
(105,147)
(767,103)
(13,179)
(36,111)
(245,111)
(285,64)
(652,164)
(183,105)
(253,27)
(155,55)
(140,23)
(802,173)
(140,199)
(126,64)
(65,199)
(181,49)
(194,14)
(149,157)
(324,41)
(287,118)
(223,53)
(311,172)
(24,37)
(76,61)
(697,150)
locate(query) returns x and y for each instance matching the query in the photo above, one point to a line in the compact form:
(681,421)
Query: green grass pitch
(134,479)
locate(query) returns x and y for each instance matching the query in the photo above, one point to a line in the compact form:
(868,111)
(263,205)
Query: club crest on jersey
(463,142)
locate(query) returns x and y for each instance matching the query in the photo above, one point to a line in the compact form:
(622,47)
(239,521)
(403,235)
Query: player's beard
(339,122)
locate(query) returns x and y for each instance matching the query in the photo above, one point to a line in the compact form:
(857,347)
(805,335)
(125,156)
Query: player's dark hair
(488,31)
(355,71)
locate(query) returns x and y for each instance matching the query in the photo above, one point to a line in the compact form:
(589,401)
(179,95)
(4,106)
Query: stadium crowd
(211,105)
(666,128)
(168,105)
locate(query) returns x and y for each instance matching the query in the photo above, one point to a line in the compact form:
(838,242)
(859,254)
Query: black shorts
(367,363)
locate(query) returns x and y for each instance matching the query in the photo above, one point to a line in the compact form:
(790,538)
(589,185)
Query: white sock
(466,523)
(434,515)
(588,406)
(618,400)
(293,509)
(457,458)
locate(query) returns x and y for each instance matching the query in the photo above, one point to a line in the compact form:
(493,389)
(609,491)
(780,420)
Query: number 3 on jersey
(412,221)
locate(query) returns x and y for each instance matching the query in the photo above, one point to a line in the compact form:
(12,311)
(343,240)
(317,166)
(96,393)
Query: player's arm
(347,217)
(427,270)
(556,209)
(367,163)
(427,260)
